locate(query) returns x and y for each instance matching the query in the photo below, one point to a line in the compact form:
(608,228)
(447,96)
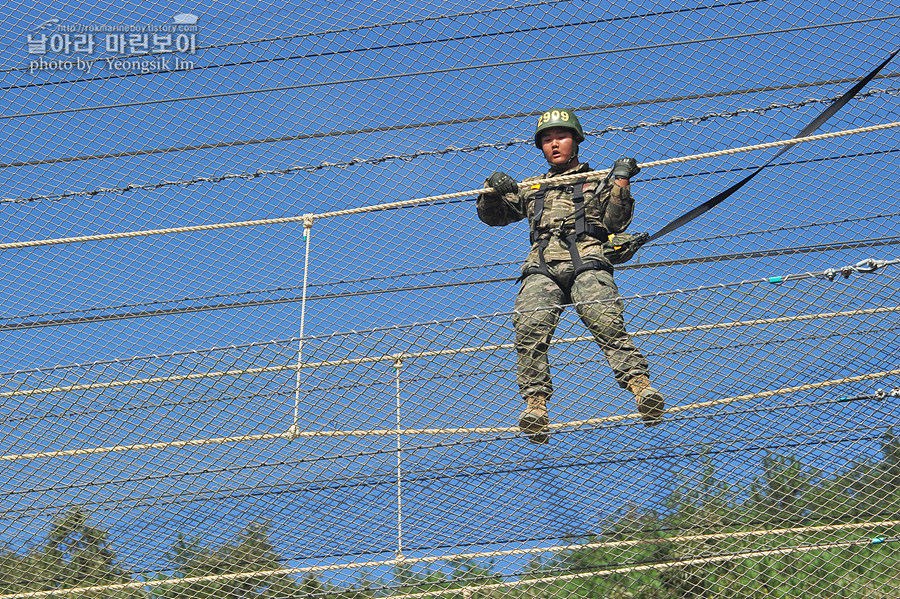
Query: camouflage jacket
(605,205)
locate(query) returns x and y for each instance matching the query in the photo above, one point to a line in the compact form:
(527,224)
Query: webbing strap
(577,191)
(580,227)
(578,202)
(538,214)
(808,130)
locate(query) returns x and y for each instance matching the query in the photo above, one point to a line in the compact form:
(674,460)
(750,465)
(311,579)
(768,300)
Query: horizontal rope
(424,73)
(379,383)
(405,356)
(248,175)
(320,33)
(309,218)
(693,450)
(293,433)
(110,316)
(529,581)
(700,561)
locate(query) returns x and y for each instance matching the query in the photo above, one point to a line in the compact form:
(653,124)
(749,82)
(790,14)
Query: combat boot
(650,402)
(534,420)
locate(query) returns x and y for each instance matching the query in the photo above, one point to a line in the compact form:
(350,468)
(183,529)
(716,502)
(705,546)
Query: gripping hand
(503,183)
(625,168)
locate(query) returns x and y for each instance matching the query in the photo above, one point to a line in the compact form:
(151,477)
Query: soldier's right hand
(502,183)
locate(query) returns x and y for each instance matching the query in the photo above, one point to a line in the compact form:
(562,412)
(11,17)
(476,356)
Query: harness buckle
(559,229)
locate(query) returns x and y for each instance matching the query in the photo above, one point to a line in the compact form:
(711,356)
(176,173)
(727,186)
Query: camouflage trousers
(538,307)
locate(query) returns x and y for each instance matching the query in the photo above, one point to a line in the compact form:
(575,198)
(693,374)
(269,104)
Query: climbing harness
(567,232)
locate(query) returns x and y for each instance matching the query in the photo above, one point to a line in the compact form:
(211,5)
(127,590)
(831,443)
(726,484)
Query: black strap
(580,222)
(808,130)
(541,236)
(577,191)
(571,238)
(538,214)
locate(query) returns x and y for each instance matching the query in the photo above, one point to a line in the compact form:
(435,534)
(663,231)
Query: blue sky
(425,99)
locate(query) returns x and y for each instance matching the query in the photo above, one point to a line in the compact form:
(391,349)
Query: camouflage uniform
(539,303)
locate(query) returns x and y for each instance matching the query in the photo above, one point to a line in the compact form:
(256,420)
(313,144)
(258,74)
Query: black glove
(503,183)
(625,168)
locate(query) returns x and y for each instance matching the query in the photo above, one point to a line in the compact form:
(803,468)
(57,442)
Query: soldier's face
(558,145)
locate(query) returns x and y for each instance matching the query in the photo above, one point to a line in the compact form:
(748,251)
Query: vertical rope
(307,236)
(398,364)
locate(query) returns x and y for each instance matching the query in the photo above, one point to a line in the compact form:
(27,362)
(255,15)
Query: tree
(250,551)
(16,573)
(74,554)
(78,554)
(784,492)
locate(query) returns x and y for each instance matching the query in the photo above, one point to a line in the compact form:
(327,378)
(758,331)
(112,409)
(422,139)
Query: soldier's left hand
(625,168)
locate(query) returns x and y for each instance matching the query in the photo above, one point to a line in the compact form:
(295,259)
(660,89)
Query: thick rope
(417,201)
(248,175)
(430,354)
(532,551)
(292,434)
(700,561)
(864,266)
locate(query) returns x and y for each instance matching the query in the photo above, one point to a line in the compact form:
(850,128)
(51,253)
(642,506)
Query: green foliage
(17,574)
(680,552)
(787,494)
(223,569)
(74,554)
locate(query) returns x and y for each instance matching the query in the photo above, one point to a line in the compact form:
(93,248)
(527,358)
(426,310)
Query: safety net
(257,343)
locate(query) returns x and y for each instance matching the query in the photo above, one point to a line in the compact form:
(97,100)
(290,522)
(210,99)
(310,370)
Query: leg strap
(543,269)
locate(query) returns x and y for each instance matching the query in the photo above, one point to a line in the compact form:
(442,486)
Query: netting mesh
(201,413)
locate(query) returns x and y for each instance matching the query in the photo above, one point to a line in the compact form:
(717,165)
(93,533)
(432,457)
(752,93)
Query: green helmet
(558,117)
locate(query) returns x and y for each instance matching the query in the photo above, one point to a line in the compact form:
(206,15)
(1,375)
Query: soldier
(568,263)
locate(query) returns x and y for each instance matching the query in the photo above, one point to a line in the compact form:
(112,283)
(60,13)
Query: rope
(307,236)
(458,69)
(423,200)
(109,315)
(638,568)
(428,153)
(398,365)
(531,581)
(858,331)
(864,266)
(493,468)
(571,425)
(237,372)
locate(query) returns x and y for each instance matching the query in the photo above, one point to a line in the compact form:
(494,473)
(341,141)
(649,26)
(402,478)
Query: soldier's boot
(650,402)
(534,420)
